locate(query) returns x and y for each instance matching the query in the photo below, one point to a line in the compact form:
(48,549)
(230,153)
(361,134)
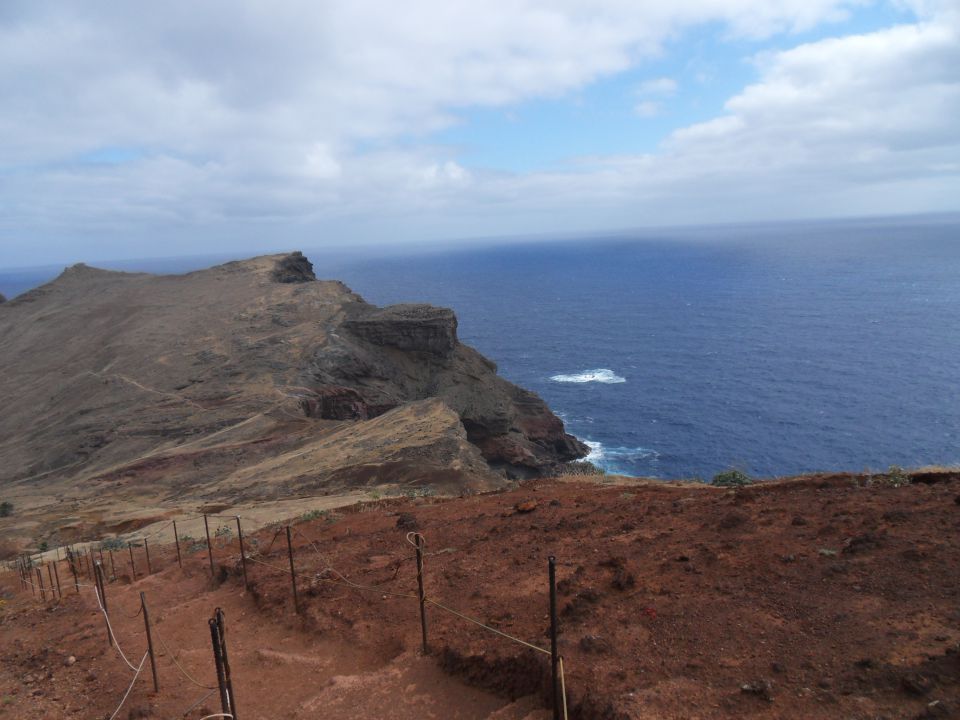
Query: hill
(128,395)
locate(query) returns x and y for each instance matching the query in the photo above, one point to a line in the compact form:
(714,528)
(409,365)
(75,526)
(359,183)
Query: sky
(131,130)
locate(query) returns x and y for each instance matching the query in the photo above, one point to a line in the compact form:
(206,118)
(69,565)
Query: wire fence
(220,552)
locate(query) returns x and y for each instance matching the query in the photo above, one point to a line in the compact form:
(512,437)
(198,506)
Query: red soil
(813,598)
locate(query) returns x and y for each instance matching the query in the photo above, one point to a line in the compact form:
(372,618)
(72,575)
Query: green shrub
(579,467)
(113,544)
(6,508)
(896,476)
(732,478)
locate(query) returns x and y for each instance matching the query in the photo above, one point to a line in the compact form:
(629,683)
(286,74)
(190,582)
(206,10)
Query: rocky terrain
(129,395)
(830,597)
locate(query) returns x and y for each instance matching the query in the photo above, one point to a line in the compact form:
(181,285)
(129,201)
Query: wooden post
(146,624)
(133,565)
(243,555)
(113,567)
(43,593)
(206,527)
(423,601)
(176,539)
(146,547)
(552,567)
(293,573)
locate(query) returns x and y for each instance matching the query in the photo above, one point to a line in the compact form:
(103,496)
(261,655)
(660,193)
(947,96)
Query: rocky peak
(294,268)
(413,328)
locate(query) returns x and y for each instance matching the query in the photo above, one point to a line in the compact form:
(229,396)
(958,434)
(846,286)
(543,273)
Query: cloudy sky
(158,129)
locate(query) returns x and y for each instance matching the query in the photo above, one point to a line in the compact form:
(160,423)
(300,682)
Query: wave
(618,459)
(600,375)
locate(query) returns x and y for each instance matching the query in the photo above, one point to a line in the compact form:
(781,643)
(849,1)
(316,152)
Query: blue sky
(705,64)
(250,126)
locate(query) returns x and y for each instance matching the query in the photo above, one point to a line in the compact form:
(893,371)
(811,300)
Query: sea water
(775,349)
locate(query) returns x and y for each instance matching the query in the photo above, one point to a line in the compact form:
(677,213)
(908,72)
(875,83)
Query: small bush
(6,508)
(112,544)
(579,467)
(732,478)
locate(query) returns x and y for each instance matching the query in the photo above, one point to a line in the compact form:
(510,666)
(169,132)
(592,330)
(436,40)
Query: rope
(132,682)
(114,636)
(563,688)
(217,715)
(486,627)
(352,584)
(184,713)
(173,657)
(312,544)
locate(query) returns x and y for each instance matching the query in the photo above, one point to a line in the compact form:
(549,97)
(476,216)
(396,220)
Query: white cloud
(318,115)
(648,108)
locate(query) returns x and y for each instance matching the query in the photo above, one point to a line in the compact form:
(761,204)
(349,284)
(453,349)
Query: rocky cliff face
(197,384)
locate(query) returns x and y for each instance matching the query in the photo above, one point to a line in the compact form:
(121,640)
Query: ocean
(775,349)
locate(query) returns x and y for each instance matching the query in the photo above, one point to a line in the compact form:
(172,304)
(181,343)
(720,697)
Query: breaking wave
(618,459)
(600,375)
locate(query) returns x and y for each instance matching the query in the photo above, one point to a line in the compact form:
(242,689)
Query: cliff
(223,381)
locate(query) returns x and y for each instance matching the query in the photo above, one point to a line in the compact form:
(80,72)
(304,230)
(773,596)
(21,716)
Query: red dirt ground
(822,597)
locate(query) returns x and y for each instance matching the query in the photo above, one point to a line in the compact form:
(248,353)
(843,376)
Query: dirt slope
(823,597)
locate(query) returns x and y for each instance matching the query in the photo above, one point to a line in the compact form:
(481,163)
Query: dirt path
(813,599)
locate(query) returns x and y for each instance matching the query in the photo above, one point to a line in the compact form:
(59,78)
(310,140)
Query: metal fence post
(552,566)
(423,601)
(243,555)
(293,573)
(176,539)
(206,527)
(146,624)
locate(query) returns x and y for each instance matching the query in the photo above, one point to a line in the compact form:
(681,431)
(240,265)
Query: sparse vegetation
(6,508)
(579,467)
(897,476)
(312,515)
(732,478)
(114,543)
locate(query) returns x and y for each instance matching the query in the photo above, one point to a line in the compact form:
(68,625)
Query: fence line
(320,575)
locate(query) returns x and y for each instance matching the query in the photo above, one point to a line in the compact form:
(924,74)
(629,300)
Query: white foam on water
(599,375)
(613,459)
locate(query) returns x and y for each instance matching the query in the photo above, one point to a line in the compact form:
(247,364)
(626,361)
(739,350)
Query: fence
(79,560)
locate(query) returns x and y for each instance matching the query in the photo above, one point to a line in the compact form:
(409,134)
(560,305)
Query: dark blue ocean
(776,349)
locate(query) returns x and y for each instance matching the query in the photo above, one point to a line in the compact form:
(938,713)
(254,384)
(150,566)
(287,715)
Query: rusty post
(146,547)
(113,567)
(146,624)
(206,527)
(228,681)
(71,557)
(28,575)
(43,593)
(423,600)
(218,661)
(554,657)
(100,552)
(56,574)
(176,539)
(243,555)
(293,573)
(133,565)
(102,590)
(50,578)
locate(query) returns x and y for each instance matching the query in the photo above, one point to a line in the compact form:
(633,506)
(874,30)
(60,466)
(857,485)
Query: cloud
(306,117)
